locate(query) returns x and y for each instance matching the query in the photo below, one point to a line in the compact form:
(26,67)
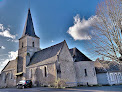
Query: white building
(108,72)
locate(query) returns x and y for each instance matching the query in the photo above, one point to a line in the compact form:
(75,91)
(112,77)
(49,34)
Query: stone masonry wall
(82,78)
(26,51)
(67,66)
(37,74)
(8,75)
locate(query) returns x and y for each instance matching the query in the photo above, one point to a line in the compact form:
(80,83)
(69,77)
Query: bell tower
(28,45)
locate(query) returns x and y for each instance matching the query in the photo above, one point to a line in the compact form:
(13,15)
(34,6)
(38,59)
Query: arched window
(45,71)
(33,44)
(119,76)
(22,44)
(115,77)
(111,76)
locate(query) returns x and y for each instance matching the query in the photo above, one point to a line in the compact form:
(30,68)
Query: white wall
(114,77)
(80,72)
(67,66)
(109,78)
(102,78)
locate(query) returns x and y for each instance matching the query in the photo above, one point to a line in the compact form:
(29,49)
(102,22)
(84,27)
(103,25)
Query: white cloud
(13,40)
(11,56)
(6,33)
(2,47)
(1,27)
(81,28)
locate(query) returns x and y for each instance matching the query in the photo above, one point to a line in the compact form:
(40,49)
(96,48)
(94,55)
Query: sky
(54,21)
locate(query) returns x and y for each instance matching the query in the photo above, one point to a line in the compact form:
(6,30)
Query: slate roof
(99,67)
(29,29)
(111,66)
(78,56)
(107,66)
(46,53)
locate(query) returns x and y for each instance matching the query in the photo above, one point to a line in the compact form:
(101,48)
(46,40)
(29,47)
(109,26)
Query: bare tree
(107,40)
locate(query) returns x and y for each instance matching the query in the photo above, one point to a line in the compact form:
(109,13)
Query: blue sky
(54,21)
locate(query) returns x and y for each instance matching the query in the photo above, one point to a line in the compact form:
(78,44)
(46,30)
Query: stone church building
(45,66)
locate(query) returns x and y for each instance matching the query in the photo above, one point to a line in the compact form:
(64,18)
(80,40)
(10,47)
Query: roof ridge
(52,45)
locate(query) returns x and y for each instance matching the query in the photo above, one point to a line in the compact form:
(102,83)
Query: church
(45,66)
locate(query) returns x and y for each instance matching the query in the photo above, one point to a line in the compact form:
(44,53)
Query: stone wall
(8,75)
(28,40)
(26,48)
(88,78)
(26,51)
(31,39)
(67,66)
(37,74)
(8,79)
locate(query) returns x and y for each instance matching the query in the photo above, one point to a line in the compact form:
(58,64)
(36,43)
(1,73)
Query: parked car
(24,84)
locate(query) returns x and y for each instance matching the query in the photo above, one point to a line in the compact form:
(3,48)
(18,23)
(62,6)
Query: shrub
(60,83)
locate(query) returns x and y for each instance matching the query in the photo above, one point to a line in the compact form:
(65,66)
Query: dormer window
(33,44)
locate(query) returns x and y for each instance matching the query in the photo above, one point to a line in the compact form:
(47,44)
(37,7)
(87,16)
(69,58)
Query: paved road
(117,88)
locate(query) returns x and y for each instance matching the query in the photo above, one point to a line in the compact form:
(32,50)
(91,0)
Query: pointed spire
(29,29)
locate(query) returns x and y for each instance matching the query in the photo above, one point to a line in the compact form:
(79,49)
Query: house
(108,72)
(45,66)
